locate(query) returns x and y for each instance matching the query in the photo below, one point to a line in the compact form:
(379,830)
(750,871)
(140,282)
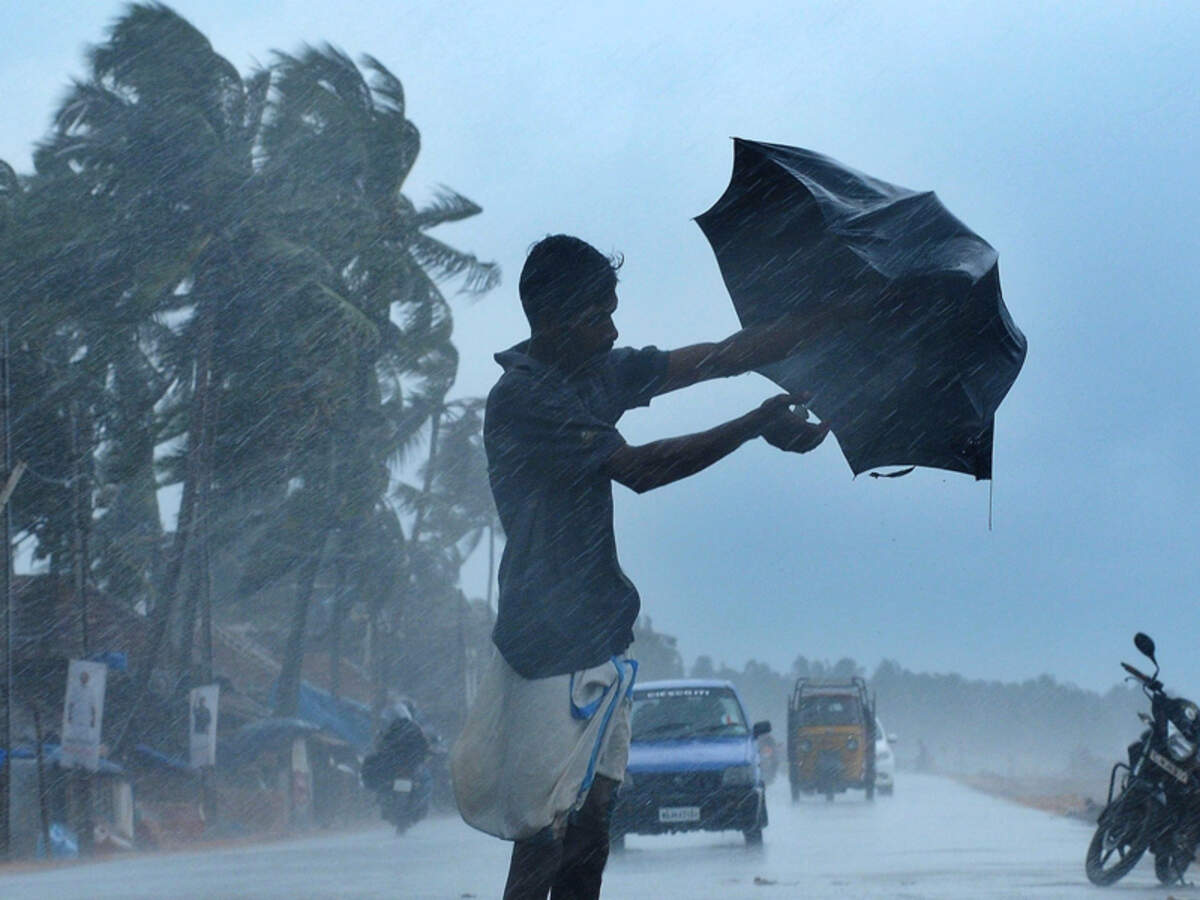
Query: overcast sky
(1065,134)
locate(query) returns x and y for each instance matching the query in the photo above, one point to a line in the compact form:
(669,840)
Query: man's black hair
(562,277)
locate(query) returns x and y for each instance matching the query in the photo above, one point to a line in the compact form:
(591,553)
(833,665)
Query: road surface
(934,839)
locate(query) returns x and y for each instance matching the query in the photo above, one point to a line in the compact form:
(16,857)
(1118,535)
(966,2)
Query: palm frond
(258,86)
(448,206)
(10,184)
(359,326)
(443,261)
(385,84)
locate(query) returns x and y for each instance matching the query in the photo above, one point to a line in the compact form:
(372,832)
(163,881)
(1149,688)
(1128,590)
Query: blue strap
(622,691)
(585,712)
(633,666)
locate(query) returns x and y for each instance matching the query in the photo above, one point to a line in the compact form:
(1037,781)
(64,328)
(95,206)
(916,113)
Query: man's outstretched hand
(788,430)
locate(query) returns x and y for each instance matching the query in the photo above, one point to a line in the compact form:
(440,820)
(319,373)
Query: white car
(885,760)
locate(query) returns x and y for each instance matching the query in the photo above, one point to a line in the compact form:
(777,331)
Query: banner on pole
(202,725)
(83,714)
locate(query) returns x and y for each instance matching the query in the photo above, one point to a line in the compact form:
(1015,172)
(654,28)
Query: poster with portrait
(202,725)
(83,714)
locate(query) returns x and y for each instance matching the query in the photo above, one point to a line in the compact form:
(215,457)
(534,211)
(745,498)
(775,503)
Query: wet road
(933,839)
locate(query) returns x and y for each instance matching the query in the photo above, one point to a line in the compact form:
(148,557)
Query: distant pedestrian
(547,740)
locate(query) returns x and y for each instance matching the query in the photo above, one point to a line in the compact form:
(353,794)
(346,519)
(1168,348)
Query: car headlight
(1180,748)
(738,775)
(852,743)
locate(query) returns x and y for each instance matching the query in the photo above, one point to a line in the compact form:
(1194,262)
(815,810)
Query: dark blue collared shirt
(564,603)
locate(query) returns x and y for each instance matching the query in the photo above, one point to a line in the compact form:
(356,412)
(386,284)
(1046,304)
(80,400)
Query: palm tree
(337,149)
(162,132)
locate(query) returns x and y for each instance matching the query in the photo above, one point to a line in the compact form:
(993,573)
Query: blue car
(693,763)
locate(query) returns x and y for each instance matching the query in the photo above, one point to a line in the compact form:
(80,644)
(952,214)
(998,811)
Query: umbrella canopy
(918,378)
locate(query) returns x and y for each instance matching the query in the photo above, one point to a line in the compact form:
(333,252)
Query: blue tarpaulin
(253,739)
(347,719)
(52,754)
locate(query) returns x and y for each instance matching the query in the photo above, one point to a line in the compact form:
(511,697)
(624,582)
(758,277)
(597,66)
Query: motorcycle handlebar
(1153,683)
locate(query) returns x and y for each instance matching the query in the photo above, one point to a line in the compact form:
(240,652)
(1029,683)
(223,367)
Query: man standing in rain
(546,743)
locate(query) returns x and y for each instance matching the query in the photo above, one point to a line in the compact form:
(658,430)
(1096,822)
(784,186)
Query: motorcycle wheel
(1169,868)
(1116,847)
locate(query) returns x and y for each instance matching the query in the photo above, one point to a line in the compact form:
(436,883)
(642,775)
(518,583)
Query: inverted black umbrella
(927,351)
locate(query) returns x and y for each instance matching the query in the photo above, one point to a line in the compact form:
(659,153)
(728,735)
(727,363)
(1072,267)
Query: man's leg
(534,865)
(585,848)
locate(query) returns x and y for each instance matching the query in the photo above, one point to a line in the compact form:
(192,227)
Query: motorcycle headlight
(738,776)
(852,743)
(1180,748)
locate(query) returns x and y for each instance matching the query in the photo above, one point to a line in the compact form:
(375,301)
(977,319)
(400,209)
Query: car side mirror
(761,728)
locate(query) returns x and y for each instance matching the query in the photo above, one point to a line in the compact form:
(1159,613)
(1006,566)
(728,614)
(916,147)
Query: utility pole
(6,598)
(81,514)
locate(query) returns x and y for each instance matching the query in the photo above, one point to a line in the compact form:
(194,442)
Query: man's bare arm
(659,463)
(746,349)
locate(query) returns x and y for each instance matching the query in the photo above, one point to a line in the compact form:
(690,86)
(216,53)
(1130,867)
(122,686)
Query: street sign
(202,725)
(83,714)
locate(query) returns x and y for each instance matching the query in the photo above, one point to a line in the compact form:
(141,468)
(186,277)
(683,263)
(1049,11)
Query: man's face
(592,332)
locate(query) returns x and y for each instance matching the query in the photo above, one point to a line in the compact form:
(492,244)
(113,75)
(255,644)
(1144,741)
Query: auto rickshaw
(831,738)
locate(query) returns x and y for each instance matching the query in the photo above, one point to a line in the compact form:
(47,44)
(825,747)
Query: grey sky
(1065,134)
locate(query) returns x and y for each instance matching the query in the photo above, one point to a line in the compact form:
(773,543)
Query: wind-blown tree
(228,268)
(453,508)
(70,294)
(162,132)
(337,149)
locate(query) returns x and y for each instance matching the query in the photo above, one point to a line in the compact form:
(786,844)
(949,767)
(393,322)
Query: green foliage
(215,281)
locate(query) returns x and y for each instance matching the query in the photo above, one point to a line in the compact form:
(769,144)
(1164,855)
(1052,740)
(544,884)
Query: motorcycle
(1154,798)
(399,775)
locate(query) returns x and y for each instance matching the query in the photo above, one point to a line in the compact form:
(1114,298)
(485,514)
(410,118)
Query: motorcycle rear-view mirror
(1145,644)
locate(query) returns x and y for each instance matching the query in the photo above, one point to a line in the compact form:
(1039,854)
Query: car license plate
(668,814)
(402,785)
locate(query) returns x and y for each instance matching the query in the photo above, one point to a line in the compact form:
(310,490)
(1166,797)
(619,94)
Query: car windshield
(673,713)
(830,710)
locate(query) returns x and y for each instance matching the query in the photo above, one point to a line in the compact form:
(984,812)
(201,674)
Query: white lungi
(531,748)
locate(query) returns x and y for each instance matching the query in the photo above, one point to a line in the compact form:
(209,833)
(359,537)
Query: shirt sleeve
(553,431)
(636,376)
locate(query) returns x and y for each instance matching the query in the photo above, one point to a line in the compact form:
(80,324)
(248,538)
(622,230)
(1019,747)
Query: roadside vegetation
(216,290)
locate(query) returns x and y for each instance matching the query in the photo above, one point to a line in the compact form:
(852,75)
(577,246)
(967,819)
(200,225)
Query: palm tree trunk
(81,518)
(435,425)
(199,473)
(340,604)
(206,620)
(287,697)
(201,527)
